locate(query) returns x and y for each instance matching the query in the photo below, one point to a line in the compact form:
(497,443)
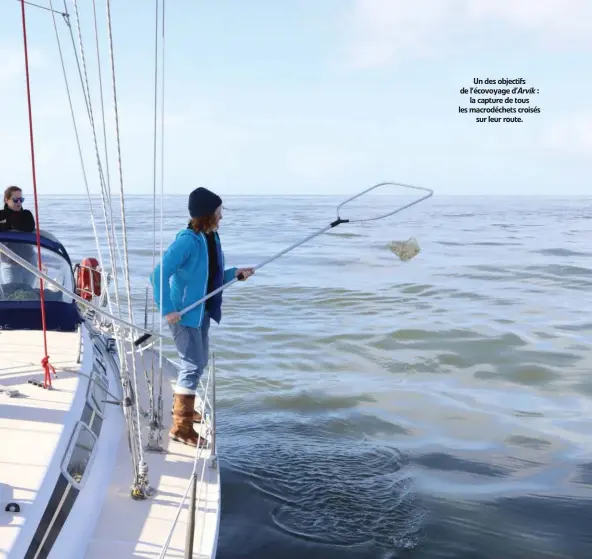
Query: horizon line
(258,195)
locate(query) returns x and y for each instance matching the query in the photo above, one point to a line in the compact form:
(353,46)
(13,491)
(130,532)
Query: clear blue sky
(312,96)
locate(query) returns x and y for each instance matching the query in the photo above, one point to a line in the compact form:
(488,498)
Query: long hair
(10,191)
(205,224)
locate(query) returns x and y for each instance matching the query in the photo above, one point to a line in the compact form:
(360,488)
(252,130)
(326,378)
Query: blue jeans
(193,347)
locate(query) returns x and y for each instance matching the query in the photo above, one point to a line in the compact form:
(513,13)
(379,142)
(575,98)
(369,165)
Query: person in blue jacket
(192,267)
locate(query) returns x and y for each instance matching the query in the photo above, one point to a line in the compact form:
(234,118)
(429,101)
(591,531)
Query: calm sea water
(370,408)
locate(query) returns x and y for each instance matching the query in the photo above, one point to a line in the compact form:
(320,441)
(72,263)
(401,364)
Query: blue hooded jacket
(185,278)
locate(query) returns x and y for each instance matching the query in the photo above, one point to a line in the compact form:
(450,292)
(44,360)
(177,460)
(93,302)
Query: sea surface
(439,408)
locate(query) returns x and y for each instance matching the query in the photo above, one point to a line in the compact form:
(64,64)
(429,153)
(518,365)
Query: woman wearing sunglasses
(13,217)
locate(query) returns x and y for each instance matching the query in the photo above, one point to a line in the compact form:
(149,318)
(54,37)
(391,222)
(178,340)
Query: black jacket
(16,221)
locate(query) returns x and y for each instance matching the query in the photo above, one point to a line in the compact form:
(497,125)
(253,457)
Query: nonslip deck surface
(129,528)
(31,423)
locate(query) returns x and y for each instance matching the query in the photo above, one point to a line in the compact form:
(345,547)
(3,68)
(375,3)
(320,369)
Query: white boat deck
(129,528)
(119,527)
(31,424)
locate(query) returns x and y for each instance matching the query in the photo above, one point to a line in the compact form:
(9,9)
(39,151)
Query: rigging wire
(109,228)
(111,239)
(139,467)
(100,75)
(154,156)
(142,480)
(50,9)
(83,166)
(162,100)
(154,148)
(105,191)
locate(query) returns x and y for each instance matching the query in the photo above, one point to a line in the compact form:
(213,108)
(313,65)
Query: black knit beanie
(203,202)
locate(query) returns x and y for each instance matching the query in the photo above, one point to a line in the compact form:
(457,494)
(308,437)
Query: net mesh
(405,250)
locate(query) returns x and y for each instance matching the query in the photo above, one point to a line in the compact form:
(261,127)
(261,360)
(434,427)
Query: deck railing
(196,480)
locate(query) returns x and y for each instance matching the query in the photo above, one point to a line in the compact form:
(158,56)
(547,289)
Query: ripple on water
(563,252)
(349,494)
(445,462)
(584,474)
(528,442)
(528,374)
(309,401)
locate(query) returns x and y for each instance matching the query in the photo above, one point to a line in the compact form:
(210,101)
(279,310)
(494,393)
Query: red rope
(45,361)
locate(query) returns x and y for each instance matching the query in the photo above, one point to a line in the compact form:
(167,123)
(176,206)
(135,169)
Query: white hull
(60,519)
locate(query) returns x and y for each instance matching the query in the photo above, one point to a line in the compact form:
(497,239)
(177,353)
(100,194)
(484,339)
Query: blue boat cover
(26,314)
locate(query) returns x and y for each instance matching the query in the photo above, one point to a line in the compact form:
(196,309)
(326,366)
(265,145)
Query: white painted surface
(129,528)
(105,522)
(34,427)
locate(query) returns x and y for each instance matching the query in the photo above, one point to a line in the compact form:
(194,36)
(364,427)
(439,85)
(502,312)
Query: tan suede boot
(182,430)
(197,417)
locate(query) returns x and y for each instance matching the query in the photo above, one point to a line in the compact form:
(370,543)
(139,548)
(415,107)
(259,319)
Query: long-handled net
(405,250)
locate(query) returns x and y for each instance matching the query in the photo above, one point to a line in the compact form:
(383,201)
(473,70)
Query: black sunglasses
(17,200)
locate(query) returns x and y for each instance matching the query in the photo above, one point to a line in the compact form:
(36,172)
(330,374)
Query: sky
(306,96)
